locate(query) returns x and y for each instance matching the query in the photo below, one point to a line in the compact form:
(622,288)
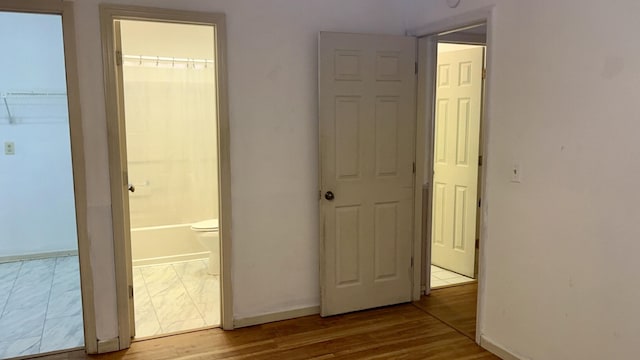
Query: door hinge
(118,57)
(484,73)
(319,194)
(412,262)
(414,167)
(416,67)
(131,291)
(480,160)
(479,202)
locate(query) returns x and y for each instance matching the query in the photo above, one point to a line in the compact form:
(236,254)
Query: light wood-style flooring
(455,306)
(396,332)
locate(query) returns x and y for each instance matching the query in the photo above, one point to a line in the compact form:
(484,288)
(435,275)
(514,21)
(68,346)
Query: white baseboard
(498,350)
(46,255)
(110,345)
(278,316)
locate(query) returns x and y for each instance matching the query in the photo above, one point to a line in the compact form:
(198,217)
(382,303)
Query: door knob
(329,195)
(131,188)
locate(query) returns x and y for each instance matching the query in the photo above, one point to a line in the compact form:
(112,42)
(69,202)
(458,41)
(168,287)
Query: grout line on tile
(4,307)
(155,312)
(46,311)
(189,294)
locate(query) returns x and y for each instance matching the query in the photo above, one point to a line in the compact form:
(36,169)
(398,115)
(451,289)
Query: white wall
(273,91)
(562,246)
(37,210)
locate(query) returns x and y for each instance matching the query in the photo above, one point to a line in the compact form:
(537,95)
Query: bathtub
(165,244)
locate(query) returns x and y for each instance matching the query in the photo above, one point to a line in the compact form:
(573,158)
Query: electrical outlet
(9,148)
(516,173)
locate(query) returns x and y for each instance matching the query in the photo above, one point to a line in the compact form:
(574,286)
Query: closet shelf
(23,106)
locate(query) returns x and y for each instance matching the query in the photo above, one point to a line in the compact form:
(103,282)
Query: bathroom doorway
(170,179)
(168,85)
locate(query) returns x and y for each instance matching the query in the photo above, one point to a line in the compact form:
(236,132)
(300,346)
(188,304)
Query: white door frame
(427,69)
(65,10)
(122,245)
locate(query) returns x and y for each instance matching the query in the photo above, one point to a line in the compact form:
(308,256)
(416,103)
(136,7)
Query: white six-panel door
(367,134)
(456,146)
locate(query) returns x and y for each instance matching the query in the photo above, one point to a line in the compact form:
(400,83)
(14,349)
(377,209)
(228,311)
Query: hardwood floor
(439,326)
(455,306)
(396,332)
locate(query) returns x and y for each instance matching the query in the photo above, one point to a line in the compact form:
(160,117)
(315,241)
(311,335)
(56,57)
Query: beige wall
(562,245)
(273,115)
(170,40)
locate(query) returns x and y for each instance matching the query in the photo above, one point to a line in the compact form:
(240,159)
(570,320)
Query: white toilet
(208,236)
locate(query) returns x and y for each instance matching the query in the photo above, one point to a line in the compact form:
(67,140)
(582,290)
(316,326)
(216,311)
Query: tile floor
(40,306)
(175,297)
(444,278)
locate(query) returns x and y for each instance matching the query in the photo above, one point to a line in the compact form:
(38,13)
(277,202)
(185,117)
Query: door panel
(386,241)
(367,132)
(457,131)
(347,245)
(386,136)
(347,119)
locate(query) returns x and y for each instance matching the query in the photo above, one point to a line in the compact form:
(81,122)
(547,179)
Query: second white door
(456,147)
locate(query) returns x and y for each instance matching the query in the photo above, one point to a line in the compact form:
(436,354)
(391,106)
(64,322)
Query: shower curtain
(171,126)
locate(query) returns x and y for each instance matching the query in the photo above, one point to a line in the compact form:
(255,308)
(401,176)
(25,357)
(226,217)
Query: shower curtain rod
(166,59)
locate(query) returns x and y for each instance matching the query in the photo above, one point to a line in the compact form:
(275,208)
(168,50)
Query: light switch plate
(9,148)
(516,173)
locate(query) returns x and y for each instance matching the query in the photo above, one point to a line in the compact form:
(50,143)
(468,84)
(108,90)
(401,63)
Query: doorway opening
(453,177)
(457,160)
(168,86)
(166,103)
(43,236)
